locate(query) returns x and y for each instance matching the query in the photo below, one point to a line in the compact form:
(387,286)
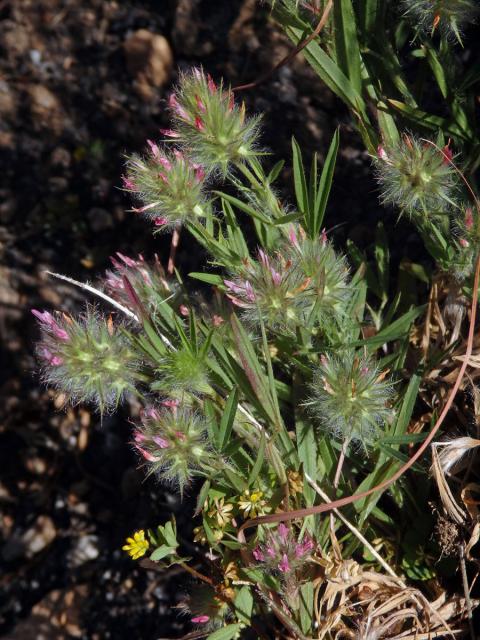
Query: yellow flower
(222,512)
(252,504)
(137,546)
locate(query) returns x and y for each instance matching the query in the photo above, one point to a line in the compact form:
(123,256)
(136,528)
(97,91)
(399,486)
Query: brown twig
(322,508)
(304,43)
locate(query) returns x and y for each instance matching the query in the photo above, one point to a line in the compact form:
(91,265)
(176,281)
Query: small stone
(85,549)
(39,536)
(149,60)
(45,108)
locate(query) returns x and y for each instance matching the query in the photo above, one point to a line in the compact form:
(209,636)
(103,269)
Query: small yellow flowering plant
(137,546)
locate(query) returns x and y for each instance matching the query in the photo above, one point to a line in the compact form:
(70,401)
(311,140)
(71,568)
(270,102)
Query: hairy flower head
(301,278)
(172,442)
(149,281)
(169,186)
(88,358)
(350,397)
(416,177)
(449,17)
(209,124)
(282,553)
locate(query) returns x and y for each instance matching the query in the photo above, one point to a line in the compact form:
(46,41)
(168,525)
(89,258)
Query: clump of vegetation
(291,390)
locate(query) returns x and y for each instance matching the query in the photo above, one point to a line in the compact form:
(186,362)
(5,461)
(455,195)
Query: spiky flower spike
(210,125)
(282,553)
(87,358)
(447,16)
(270,287)
(168,184)
(350,397)
(149,281)
(182,371)
(325,270)
(172,442)
(304,275)
(416,177)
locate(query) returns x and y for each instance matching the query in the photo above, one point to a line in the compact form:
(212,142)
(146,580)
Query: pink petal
(201,619)
(284,565)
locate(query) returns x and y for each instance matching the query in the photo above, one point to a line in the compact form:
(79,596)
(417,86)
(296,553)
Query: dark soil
(73,101)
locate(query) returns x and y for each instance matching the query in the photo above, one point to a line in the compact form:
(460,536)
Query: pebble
(149,60)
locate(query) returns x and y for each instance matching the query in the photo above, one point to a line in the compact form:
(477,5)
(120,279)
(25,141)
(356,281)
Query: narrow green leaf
(258,462)
(325,184)
(209,278)
(300,182)
(347,48)
(306,606)
(228,418)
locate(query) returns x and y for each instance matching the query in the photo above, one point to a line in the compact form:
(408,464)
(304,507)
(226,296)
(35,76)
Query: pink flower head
(160,221)
(199,124)
(468,218)
(54,361)
(128,184)
(161,442)
(200,105)
(382,154)
(447,154)
(276,277)
(175,106)
(49,323)
(264,258)
(129,262)
(258,555)
(169,133)
(200,619)
(464,243)
(170,403)
(183,310)
(293,237)
(199,174)
(249,292)
(284,565)
(302,548)
(283,532)
(146,454)
(138,436)
(212,87)
(155,151)
(165,162)
(151,413)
